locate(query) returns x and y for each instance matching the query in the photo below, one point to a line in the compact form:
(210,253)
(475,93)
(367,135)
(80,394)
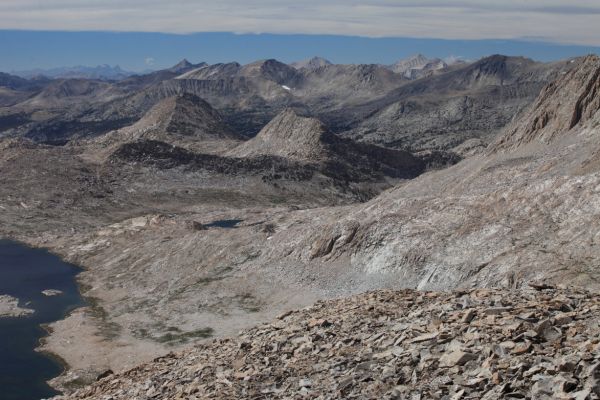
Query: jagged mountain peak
(417,66)
(184,66)
(272,70)
(562,106)
(312,63)
(416,58)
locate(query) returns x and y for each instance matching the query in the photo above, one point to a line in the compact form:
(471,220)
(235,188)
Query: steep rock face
(562,105)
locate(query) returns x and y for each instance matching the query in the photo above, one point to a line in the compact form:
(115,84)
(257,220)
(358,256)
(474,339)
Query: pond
(224,223)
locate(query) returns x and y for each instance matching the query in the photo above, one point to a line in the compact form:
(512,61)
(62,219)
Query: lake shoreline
(28,273)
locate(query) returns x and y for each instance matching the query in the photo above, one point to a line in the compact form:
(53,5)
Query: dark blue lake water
(24,273)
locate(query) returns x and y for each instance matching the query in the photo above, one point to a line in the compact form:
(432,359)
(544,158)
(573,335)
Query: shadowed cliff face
(562,105)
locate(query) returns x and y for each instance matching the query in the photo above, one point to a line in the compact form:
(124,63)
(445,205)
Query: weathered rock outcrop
(542,343)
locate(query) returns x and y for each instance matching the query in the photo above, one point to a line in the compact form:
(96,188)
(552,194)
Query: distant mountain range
(413,67)
(418,66)
(101,72)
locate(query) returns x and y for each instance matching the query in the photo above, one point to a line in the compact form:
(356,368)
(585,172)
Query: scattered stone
(387,345)
(457,357)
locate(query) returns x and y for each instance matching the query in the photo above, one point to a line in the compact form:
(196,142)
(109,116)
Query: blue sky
(55,33)
(140,51)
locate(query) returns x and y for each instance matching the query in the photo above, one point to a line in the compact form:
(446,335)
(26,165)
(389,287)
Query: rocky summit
(537,343)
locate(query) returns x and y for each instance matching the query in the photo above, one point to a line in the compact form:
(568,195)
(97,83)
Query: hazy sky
(342,30)
(559,21)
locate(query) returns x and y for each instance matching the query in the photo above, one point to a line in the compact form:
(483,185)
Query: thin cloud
(548,20)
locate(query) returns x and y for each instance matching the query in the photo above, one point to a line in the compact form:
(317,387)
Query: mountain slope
(185,115)
(504,218)
(442,111)
(291,136)
(297,138)
(391,345)
(566,103)
(184,120)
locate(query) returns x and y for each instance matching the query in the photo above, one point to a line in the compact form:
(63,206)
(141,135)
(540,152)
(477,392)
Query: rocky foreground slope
(541,343)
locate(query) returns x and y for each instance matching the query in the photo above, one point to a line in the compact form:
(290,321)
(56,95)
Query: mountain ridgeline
(437,106)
